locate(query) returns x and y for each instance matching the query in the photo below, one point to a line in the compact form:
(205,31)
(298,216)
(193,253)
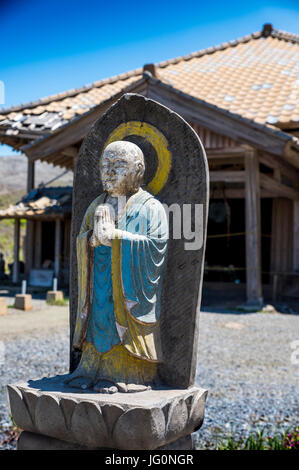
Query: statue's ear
(139,169)
(139,172)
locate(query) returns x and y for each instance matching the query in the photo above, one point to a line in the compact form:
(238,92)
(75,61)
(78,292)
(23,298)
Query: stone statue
(121,251)
(135,291)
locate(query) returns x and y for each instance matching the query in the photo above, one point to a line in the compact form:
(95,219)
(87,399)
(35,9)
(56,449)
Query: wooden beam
(70,151)
(16,261)
(218,120)
(226,152)
(30,175)
(57,247)
(230,193)
(279,164)
(227,176)
(64,161)
(253,229)
(281,190)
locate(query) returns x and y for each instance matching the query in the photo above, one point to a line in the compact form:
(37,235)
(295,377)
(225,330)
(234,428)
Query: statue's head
(122,168)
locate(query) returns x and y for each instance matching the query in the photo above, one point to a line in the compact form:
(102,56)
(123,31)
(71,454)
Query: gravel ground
(244,360)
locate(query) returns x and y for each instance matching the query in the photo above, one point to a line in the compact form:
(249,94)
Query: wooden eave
(51,146)
(232,125)
(243,130)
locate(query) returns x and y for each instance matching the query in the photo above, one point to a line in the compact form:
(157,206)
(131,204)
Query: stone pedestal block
(54,296)
(31,441)
(23,301)
(3,307)
(145,420)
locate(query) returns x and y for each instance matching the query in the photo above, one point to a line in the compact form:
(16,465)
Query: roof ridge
(290,37)
(210,50)
(267,30)
(72,92)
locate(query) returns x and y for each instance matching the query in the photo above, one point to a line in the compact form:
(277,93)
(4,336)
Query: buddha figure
(121,253)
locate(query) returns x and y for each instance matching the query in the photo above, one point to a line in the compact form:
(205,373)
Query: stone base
(3,306)
(31,441)
(54,296)
(135,421)
(23,302)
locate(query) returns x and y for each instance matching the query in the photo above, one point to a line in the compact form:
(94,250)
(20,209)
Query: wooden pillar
(296,237)
(38,244)
(30,175)
(30,225)
(57,247)
(16,263)
(282,257)
(29,251)
(253,229)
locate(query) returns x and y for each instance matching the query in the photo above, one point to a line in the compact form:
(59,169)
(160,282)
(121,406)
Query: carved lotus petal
(197,411)
(49,418)
(140,428)
(19,409)
(111,414)
(177,420)
(88,426)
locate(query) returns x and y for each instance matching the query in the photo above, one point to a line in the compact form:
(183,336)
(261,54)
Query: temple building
(241,97)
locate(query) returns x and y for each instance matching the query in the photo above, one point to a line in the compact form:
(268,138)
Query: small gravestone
(138,238)
(55,295)
(23,301)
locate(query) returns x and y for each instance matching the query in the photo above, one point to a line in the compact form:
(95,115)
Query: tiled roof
(50,113)
(256,77)
(50,201)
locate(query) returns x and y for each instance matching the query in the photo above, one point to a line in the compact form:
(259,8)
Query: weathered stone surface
(32,441)
(187,183)
(23,301)
(3,306)
(144,420)
(54,296)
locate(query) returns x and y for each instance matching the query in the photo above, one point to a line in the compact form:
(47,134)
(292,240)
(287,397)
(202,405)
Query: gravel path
(244,360)
(33,344)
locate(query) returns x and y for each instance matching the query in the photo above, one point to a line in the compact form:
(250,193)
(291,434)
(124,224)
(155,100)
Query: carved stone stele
(176,173)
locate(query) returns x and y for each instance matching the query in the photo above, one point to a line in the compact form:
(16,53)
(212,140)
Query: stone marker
(136,278)
(54,296)
(23,302)
(3,306)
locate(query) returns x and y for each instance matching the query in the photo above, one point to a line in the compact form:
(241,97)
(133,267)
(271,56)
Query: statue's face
(119,171)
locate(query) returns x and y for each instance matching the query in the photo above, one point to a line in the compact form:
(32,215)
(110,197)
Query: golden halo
(156,139)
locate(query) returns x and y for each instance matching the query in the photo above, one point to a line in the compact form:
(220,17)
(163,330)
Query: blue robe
(123,305)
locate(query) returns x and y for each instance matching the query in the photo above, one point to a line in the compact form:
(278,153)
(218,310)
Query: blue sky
(48,47)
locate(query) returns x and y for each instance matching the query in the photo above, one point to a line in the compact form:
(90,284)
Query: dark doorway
(48,242)
(225,251)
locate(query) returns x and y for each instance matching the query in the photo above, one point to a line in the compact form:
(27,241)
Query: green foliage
(59,303)
(258,440)
(7,228)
